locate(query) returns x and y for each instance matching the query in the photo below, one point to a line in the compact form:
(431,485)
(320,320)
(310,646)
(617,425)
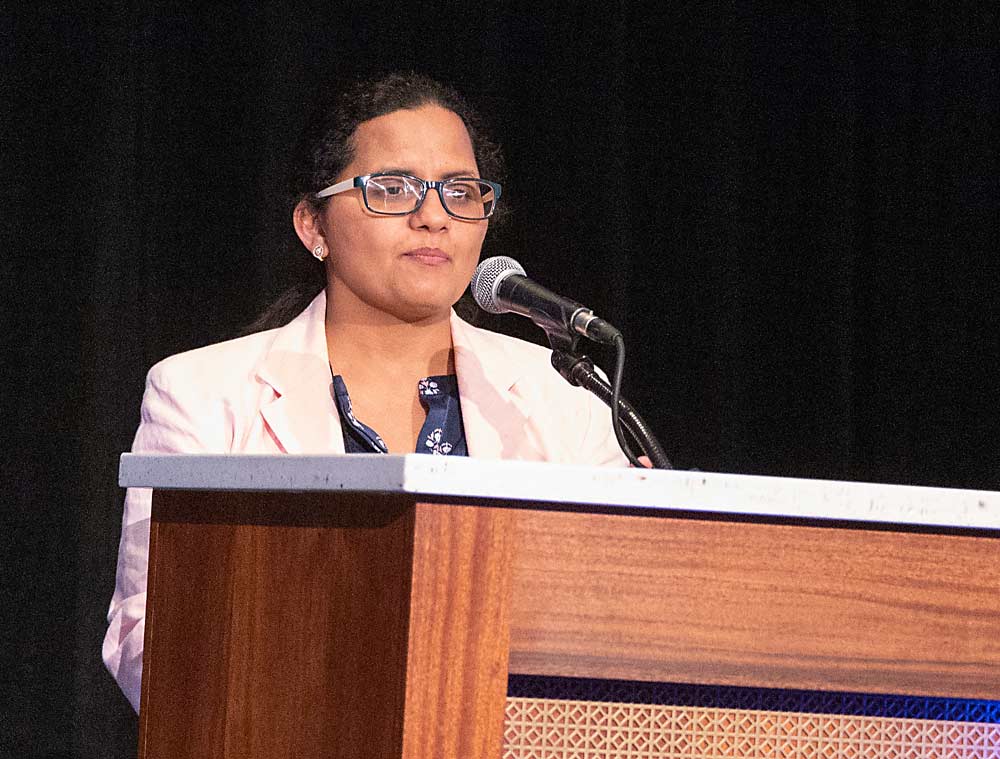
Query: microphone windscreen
(489,274)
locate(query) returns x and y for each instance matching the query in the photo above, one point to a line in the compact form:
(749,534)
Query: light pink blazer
(271,393)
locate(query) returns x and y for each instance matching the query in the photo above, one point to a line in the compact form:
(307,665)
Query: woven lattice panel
(557,729)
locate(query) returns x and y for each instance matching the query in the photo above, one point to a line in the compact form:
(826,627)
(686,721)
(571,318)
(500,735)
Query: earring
(319,252)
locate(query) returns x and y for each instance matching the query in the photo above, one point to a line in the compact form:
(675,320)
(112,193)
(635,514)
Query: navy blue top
(443,433)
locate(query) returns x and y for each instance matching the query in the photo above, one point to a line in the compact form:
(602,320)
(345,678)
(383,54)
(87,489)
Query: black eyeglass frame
(362,182)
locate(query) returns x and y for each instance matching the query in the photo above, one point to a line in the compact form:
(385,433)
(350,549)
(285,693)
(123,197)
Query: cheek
(355,242)
(473,244)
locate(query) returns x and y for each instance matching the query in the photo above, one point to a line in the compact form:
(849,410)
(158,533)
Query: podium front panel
(750,586)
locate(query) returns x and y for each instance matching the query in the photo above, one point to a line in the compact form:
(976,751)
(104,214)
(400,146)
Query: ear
(307,225)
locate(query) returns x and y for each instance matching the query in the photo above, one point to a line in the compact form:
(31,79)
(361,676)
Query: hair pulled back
(326,148)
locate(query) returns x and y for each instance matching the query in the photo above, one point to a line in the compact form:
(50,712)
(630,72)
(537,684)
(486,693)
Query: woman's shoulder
(236,359)
(199,400)
(217,364)
(510,361)
(514,347)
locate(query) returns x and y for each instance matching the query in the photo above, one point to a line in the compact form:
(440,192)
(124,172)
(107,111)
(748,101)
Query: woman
(391,201)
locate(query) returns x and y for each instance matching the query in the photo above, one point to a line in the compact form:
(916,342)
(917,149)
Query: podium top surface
(572,486)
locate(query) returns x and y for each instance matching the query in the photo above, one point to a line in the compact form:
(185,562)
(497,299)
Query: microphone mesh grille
(489,274)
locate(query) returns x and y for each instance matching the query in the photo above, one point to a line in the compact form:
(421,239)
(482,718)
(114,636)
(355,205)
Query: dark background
(792,214)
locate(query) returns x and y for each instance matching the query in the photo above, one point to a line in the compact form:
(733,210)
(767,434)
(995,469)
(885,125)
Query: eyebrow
(412,173)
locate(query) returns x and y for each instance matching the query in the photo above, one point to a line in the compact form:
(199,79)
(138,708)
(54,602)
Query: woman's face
(412,267)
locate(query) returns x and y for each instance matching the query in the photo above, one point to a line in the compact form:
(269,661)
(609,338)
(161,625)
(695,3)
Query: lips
(428,256)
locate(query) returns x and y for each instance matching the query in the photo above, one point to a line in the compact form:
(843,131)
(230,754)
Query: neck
(371,342)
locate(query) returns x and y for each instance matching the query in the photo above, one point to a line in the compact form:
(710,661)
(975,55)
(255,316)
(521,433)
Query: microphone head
(489,274)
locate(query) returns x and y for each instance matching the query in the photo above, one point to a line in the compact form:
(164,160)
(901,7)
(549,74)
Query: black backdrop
(792,214)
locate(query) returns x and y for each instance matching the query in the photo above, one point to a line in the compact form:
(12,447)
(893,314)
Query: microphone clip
(561,339)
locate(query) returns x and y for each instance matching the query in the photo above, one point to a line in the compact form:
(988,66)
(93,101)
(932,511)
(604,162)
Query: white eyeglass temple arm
(333,189)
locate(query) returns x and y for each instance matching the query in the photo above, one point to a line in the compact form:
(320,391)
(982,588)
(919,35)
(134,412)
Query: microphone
(500,285)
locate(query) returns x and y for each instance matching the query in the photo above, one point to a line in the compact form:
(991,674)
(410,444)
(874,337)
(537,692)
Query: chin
(417,311)
(417,306)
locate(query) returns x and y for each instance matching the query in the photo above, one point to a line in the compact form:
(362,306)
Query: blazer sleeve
(169,423)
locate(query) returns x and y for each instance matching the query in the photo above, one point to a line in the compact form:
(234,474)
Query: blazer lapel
(303,417)
(496,418)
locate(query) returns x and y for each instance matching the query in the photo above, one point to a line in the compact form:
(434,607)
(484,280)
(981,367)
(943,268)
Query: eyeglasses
(466,198)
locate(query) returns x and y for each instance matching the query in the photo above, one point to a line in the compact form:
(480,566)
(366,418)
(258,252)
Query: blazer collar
(482,354)
(303,417)
(496,417)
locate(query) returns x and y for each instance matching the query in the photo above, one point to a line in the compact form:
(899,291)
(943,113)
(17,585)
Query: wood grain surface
(772,605)
(337,624)
(323,625)
(459,632)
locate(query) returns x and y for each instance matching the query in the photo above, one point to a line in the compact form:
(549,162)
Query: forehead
(428,140)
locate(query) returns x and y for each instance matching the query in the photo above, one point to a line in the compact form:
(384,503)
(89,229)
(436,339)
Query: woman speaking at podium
(396,184)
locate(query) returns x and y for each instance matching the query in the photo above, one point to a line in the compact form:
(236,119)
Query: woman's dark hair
(326,147)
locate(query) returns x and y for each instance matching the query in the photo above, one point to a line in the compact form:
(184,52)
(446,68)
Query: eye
(394,185)
(462,190)
(393,189)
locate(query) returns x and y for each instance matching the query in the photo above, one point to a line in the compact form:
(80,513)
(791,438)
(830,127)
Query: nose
(431,214)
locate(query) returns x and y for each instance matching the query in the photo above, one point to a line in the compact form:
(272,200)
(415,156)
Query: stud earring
(319,252)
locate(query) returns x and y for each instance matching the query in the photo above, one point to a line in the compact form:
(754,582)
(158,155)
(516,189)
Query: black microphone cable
(616,399)
(579,371)
(500,285)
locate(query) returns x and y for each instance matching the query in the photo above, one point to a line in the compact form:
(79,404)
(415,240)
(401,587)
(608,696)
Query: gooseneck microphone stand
(578,370)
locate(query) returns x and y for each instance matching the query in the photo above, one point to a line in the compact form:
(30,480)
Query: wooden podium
(373,606)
